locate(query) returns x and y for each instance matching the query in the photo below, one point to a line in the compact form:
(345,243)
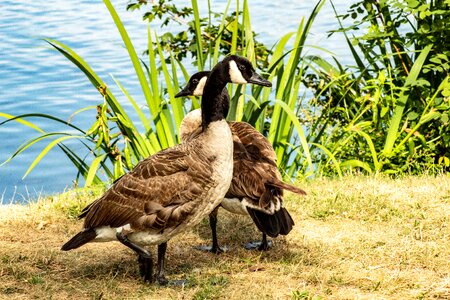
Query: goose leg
(160,273)
(213,224)
(215,244)
(160,276)
(145,268)
(144,257)
(264,245)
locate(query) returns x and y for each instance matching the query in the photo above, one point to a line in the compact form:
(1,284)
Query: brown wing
(249,178)
(157,193)
(256,144)
(255,174)
(254,162)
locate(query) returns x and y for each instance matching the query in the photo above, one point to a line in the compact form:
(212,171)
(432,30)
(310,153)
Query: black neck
(215,99)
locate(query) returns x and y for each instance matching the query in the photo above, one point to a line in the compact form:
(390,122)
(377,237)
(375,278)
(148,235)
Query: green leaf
(140,113)
(300,131)
(331,156)
(47,149)
(93,170)
(18,119)
(198,36)
(412,115)
(354,163)
(371,145)
(393,130)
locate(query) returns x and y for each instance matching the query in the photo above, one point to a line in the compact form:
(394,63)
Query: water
(36,79)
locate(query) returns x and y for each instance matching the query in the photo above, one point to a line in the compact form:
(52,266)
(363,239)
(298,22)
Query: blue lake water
(36,79)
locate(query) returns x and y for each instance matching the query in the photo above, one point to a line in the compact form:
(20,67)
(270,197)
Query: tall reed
(113,142)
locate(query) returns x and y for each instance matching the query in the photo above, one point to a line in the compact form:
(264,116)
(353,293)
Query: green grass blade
(299,130)
(93,170)
(371,145)
(331,157)
(235,25)
(133,56)
(152,104)
(233,112)
(219,36)
(249,43)
(78,111)
(426,116)
(393,130)
(198,36)
(79,164)
(257,113)
(176,103)
(286,88)
(30,143)
(288,84)
(354,163)
(153,73)
(20,120)
(355,54)
(138,110)
(47,149)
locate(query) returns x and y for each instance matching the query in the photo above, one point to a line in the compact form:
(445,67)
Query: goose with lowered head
(172,190)
(256,188)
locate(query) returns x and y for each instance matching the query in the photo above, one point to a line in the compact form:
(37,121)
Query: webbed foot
(261,246)
(215,250)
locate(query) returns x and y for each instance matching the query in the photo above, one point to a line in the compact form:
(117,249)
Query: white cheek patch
(235,74)
(200,86)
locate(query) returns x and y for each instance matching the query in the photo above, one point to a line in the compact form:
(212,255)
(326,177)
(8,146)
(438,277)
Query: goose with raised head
(256,188)
(172,190)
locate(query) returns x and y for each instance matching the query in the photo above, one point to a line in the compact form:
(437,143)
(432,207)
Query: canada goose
(256,188)
(172,190)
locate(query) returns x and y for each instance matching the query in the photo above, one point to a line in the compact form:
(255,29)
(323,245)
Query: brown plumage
(254,167)
(172,190)
(160,192)
(257,187)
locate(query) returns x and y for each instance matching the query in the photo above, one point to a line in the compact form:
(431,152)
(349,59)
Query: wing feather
(158,192)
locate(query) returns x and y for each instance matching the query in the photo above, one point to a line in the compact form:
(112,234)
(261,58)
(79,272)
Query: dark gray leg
(264,245)
(145,268)
(144,257)
(215,244)
(160,276)
(213,224)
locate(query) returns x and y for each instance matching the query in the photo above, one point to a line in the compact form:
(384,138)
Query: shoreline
(357,237)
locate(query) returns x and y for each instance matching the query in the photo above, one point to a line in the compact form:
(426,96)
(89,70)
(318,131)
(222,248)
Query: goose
(256,188)
(172,190)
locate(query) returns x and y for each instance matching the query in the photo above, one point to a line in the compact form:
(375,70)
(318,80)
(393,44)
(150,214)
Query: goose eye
(242,67)
(195,81)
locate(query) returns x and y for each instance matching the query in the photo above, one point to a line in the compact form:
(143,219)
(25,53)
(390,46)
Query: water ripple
(36,78)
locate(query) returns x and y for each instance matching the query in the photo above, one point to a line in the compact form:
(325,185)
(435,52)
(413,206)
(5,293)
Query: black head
(240,70)
(195,85)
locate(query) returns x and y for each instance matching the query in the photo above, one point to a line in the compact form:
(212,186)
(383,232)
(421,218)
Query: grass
(355,238)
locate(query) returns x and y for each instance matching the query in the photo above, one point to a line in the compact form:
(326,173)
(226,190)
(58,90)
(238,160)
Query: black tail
(279,223)
(286,221)
(80,239)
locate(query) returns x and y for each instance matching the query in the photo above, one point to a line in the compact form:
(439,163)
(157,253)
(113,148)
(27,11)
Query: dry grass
(357,238)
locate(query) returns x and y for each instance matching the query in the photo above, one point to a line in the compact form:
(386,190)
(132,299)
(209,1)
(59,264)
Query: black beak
(257,79)
(183,93)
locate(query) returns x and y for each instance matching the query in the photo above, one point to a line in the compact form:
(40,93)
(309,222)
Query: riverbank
(356,238)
